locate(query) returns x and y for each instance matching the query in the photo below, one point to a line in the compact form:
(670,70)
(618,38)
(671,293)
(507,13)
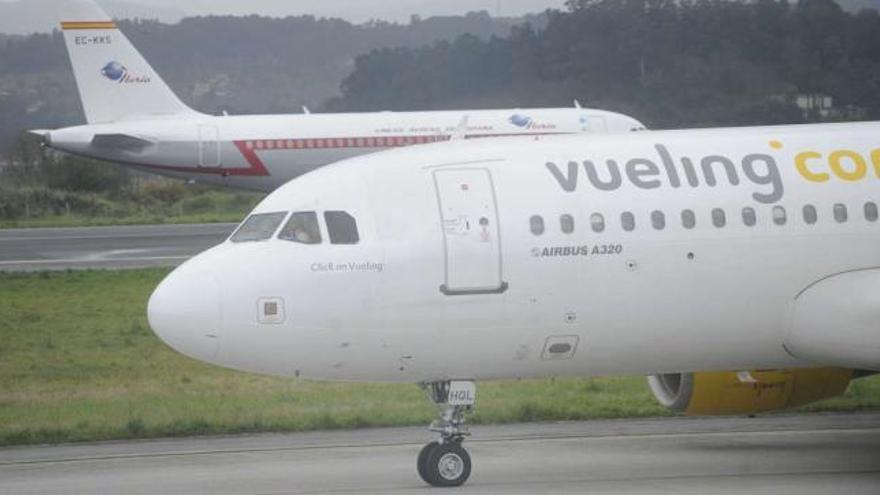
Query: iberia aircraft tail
(115,82)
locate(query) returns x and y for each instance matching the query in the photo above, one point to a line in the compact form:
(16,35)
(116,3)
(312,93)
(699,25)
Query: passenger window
(597,222)
(259,227)
(628,220)
(811,216)
(840,213)
(688,219)
(779,215)
(567,223)
(719,218)
(871,211)
(302,228)
(658,220)
(342,227)
(750,218)
(536,223)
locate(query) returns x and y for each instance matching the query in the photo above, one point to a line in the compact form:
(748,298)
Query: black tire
(422,462)
(448,464)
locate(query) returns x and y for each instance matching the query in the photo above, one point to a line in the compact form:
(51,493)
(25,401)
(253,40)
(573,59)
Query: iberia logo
(525,122)
(520,120)
(118,73)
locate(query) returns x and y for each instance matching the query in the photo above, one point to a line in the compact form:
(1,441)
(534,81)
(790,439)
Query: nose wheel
(445,463)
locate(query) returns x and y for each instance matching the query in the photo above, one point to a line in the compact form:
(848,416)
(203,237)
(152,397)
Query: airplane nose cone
(184,311)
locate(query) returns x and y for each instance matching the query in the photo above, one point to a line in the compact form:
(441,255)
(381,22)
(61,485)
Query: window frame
(780,215)
(628,221)
(658,220)
(810,214)
(317,220)
(719,218)
(688,219)
(283,219)
(330,235)
(841,213)
(749,216)
(600,226)
(871,211)
(567,220)
(537,221)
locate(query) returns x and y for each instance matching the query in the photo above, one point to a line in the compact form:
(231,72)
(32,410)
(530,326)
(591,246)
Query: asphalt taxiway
(106,247)
(815,454)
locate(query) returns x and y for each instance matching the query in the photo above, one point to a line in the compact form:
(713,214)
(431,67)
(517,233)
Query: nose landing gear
(445,462)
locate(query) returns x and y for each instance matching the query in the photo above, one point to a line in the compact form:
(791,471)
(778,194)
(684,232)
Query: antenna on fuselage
(306,110)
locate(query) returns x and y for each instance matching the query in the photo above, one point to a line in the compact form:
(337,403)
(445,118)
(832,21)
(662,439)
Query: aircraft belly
(837,321)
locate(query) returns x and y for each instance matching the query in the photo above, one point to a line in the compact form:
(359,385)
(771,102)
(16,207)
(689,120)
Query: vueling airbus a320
(135,119)
(738,268)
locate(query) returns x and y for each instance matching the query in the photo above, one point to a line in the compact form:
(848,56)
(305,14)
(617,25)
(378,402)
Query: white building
(815,104)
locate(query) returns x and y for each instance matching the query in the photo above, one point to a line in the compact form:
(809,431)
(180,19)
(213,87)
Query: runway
(106,247)
(818,454)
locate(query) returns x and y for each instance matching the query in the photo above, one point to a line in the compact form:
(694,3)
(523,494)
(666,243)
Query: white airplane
(738,268)
(135,119)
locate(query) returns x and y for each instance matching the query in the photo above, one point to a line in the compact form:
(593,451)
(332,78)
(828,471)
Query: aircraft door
(471,232)
(209,146)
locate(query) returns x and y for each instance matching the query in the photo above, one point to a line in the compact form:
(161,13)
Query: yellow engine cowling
(735,393)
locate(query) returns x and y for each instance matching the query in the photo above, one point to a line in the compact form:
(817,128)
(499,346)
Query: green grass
(156,202)
(79,363)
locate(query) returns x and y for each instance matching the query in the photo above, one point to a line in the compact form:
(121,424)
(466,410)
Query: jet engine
(736,393)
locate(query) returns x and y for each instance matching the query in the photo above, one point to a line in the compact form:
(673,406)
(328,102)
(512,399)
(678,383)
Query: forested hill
(670,63)
(240,64)
(857,5)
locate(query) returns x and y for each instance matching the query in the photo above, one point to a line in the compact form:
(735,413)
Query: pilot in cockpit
(303,228)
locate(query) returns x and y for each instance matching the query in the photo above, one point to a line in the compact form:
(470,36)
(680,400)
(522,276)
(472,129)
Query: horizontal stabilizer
(121,142)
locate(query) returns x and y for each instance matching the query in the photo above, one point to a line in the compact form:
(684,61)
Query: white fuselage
(262,152)
(136,119)
(517,258)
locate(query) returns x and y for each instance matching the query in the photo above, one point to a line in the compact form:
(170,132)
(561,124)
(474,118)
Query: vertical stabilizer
(115,82)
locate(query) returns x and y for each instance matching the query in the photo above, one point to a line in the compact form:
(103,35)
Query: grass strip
(78,362)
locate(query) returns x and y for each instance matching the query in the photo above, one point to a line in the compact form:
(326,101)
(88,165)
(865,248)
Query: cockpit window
(302,228)
(342,227)
(258,227)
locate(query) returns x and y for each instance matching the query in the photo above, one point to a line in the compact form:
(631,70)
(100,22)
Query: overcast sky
(18,16)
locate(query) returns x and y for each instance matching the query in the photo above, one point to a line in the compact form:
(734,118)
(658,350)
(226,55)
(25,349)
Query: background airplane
(736,267)
(135,119)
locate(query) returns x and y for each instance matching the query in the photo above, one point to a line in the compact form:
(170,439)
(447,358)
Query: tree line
(218,63)
(671,63)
